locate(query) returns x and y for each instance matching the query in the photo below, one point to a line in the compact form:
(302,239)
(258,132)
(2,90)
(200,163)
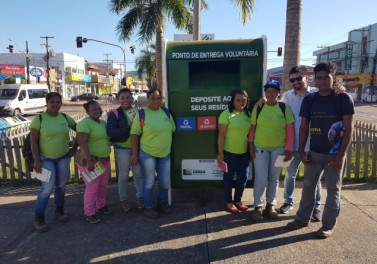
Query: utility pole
(48,62)
(27,63)
(107,64)
(120,75)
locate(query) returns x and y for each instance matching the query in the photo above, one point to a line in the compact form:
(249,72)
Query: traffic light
(79,42)
(10,47)
(280,51)
(132,49)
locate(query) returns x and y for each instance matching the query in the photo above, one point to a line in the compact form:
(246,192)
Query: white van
(18,99)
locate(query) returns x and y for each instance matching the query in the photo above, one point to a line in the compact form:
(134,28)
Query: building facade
(69,74)
(356,61)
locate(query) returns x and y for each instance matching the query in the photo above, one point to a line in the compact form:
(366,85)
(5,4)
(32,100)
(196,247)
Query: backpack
(142,115)
(281,105)
(117,138)
(26,147)
(115,112)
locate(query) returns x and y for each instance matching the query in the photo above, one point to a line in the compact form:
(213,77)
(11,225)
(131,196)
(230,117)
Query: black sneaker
(295,224)
(316,215)
(151,213)
(104,210)
(285,208)
(164,208)
(256,215)
(324,232)
(93,219)
(40,224)
(60,215)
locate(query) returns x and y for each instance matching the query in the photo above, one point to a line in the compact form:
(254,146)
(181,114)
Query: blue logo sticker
(186,123)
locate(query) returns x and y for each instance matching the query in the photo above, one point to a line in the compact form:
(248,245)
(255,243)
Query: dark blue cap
(273,83)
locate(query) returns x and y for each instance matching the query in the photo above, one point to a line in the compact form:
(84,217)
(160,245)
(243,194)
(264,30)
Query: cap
(273,83)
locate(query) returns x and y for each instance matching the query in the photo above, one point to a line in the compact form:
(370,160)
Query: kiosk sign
(200,78)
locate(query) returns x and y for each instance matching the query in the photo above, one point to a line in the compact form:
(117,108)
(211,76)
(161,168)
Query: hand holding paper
(281,163)
(43,176)
(223,166)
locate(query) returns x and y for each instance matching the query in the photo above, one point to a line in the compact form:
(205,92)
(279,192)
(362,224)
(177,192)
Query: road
(366,112)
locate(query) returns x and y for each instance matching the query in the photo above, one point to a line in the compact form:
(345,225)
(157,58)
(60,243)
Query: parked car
(19,99)
(85,97)
(103,96)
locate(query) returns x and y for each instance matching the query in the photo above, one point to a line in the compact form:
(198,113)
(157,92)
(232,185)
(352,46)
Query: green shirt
(130,114)
(236,134)
(270,129)
(98,141)
(53,134)
(156,135)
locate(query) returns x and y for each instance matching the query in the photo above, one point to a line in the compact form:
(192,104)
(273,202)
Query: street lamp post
(123,50)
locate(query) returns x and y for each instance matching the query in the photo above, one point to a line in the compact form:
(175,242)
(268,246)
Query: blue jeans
(290,179)
(123,160)
(333,180)
(149,166)
(266,173)
(60,172)
(239,164)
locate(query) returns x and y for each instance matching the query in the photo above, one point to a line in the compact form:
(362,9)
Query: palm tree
(246,8)
(150,16)
(292,39)
(146,65)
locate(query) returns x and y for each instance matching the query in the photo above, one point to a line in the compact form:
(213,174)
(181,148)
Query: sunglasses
(299,79)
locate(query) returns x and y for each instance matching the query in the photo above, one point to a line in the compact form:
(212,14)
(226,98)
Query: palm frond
(247,9)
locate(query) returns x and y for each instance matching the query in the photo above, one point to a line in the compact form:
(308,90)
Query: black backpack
(26,147)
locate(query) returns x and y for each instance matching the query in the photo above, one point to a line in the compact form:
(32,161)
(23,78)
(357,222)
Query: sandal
(240,206)
(231,208)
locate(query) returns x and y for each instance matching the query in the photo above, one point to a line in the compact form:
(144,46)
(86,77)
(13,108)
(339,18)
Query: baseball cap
(273,83)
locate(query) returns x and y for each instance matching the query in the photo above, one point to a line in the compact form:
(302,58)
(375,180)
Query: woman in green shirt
(49,139)
(234,125)
(153,133)
(94,147)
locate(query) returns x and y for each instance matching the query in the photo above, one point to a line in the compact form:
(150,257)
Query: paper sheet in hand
(43,176)
(223,166)
(279,162)
(91,175)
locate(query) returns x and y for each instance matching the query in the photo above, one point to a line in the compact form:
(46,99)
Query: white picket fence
(361,155)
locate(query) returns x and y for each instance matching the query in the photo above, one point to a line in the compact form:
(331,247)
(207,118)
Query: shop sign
(36,72)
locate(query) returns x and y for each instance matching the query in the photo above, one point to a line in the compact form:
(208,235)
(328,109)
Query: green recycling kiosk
(200,78)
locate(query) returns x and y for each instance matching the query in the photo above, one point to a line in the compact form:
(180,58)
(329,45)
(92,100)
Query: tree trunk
(197,10)
(292,40)
(159,62)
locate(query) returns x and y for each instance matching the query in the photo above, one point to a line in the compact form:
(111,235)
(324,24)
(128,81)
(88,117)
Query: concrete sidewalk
(198,231)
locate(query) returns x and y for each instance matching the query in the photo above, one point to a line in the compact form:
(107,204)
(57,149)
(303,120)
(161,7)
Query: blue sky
(324,22)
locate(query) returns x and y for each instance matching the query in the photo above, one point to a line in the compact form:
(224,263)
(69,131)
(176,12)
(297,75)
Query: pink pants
(95,191)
